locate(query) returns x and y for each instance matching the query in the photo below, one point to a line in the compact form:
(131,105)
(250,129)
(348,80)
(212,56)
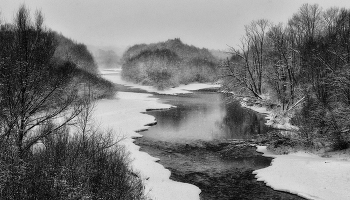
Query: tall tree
(246,70)
(307,22)
(284,59)
(34,89)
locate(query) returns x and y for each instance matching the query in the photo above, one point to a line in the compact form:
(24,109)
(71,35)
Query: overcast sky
(212,24)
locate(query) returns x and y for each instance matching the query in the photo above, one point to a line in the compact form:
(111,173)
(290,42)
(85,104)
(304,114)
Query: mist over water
(107,57)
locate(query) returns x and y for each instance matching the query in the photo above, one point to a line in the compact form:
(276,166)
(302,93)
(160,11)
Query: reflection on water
(241,123)
(205,116)
(201,115)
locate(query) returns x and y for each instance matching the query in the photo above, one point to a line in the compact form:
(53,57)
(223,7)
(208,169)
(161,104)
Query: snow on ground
(108,71)
(123,115)
(270,117)
(182,89)
(308,175)
(305,174)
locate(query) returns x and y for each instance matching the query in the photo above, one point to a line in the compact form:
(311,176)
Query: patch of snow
(123,116)
(270,117)
(182,89)
(307,175)
(110,71)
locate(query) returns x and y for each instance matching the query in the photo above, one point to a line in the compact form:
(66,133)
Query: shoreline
(221,169)
(274,175)
(311,175)
(170,157)
(127,116)
(271,117)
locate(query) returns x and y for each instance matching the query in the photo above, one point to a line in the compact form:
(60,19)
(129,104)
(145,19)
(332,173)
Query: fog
(211,24)
(106,57)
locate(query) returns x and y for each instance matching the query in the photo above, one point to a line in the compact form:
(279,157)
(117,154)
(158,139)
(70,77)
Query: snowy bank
(123,115)
(182,89)
(277,122)
(307,175)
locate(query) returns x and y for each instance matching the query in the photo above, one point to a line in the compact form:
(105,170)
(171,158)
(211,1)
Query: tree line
(49,147)
(168,64)
(304,61)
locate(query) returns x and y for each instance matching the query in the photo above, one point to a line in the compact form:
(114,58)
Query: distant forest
(168,64)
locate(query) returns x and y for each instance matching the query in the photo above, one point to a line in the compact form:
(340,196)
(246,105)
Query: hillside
(168,64)
(83,65)
(77,53)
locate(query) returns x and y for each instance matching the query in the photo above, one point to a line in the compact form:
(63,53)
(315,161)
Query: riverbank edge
(126,116)
(145,127)
(274,118)
(154,123)
(160,160)
(277,170)
(284,171)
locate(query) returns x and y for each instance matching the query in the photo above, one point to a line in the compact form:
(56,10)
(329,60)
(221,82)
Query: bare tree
(34,89)
(329,18)
(307,22)
(246,70)
(284,63)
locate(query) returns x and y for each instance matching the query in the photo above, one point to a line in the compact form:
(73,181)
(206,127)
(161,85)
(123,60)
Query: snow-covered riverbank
(123,115)
(308,175)
(271,117)
(305,174)
(302,173)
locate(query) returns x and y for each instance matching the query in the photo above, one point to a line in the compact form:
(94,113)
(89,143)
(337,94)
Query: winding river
(200,142)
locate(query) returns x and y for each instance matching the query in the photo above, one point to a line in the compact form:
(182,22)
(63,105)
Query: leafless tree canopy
(305,59)
(34,89)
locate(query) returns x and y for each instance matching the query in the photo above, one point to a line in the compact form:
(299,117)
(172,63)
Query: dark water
(205,116)
(202,115)
(220,169)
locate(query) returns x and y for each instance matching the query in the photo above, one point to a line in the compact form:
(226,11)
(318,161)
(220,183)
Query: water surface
(206,116)
(202,115)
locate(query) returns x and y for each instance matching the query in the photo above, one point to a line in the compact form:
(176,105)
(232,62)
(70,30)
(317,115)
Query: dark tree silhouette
(247,68)
(34,89)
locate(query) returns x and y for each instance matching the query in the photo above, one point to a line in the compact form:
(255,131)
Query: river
(204,115)
(200,142)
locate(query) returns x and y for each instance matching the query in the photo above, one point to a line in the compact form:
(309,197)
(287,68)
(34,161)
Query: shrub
(86,166)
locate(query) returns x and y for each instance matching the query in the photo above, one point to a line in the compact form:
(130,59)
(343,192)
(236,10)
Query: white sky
(212,24)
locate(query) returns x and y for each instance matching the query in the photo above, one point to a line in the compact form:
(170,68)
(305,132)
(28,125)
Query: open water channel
(200,142)
(204,115)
